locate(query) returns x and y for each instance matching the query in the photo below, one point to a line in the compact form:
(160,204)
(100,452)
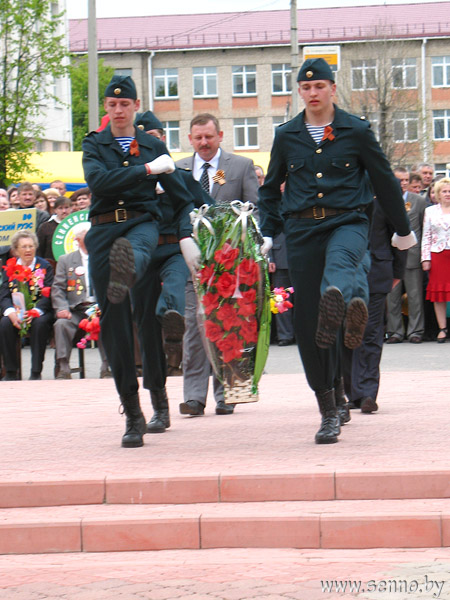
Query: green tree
(79,81)
(33,55)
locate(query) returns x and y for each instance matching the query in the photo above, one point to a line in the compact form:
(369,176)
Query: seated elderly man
(24,246)
(71,295)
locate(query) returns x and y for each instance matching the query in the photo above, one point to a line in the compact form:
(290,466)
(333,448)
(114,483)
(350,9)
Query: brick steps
(340,509)
(410,523)
(320,485)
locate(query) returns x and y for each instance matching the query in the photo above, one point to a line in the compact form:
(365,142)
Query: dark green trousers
(322,253)
(116,319)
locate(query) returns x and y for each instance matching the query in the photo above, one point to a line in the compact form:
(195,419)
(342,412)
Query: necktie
(204,179)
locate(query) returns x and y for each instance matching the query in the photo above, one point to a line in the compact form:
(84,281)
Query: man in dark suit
(122,166)
(387,267)
(324,154)
(412,282)
(24,246)
(226,177)
(71,295)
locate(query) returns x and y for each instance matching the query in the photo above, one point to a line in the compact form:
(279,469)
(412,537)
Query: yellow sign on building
(332,54)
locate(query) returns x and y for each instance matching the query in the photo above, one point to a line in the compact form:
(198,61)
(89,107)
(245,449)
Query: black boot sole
(331,314)
(326,440)
(355,323)
(173,326)
(122,271)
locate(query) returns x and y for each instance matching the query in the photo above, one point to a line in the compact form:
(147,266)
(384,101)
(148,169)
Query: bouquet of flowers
(91,325)
(27,286)
(279,302)
(234,297)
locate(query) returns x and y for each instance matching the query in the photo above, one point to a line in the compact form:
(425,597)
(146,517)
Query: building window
(172,129)
(441,170)
(404,73)
(245,133)
(123,72)
(441,124)
(440,71)
(406,126)
(244,80)
(372,117)
(364,74)
(57,92)
(276,122)
(56,146)
(281,79)
(166,83)
(205,82)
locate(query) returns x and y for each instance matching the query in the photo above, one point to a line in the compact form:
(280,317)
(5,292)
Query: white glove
(191,254)
(403,242)
(162,164)
(267,245)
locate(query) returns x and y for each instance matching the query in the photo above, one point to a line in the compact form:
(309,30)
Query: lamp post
(92,67)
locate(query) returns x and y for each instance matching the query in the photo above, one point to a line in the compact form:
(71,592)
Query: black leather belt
(167,238)
(120,215)
(320,212)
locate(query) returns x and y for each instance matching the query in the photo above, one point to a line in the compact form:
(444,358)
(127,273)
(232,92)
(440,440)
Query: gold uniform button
(319,151)
(117,91)
(309,74)
(347,164)
(292,166)
(320,195)
(141,127)
(319,175)
(121,202)
(125,163)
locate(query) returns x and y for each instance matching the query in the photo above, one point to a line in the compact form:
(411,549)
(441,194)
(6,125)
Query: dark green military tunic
(325,251)
(119,182)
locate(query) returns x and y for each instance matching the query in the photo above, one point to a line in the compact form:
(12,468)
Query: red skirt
(438,289)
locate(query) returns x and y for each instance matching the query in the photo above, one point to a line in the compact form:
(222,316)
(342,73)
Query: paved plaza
(69,432)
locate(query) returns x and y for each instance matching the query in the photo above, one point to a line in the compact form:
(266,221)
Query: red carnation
(213,331)
(210,302)
(33,313)
(231,347)
(226,256)
(248,271)
(226,285)
(227,314)
(249,330)
(46,291)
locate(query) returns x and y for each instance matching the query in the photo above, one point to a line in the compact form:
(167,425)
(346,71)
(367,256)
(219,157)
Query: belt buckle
(121,215)
(318,216)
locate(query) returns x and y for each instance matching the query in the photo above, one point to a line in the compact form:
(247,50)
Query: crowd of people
(351,237)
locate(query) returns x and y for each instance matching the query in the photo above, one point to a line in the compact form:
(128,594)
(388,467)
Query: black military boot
(161,419)
(135,425)
(343,409)
(330,427)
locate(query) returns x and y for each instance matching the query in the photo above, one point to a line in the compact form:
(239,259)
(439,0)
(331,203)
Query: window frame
(405,69)
(286,77)
(166,77)
(364,68)
(205,77)
(445,66)
(244,73)
(245,125)
(407,118)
